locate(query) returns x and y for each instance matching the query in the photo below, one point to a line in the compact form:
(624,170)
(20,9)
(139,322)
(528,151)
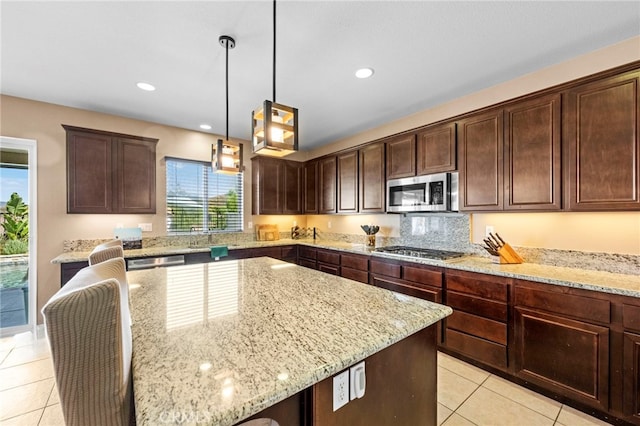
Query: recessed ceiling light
(146,86)
(205,127)
(364,72)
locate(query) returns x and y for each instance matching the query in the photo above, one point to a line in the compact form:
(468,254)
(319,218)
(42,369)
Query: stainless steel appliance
(423,253)
(428,193)
(154,262)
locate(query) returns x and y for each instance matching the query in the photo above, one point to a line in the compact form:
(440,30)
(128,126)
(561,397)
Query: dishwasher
(154,262)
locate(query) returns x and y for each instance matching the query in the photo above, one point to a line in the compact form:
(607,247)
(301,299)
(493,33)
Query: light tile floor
(467,395)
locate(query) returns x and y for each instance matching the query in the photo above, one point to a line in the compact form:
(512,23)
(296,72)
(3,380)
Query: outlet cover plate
(340,390)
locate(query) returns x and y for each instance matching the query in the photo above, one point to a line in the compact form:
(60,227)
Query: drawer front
(384,268)
(477,306)
(432,295)
(631,317)
(479,349)
(586,308)
(494,331)
(487,289)
(307,263)
(329,269)
(307,252)
(289,252)
(360,263)
(422,276)
(354,274)
(328,257)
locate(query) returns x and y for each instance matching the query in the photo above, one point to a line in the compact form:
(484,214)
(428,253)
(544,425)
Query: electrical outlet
(145,227)
(488,230)
(340,389)
(295,223)
(329,224)
(250,225)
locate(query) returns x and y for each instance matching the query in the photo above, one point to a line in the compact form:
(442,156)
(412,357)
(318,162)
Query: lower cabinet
(479,323)
(562,342)
(308,257)
(631,362)
(328,261)
(412,279)
(355,267)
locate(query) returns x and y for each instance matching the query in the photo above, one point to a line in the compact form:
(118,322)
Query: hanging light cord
(226,77)
(274,51)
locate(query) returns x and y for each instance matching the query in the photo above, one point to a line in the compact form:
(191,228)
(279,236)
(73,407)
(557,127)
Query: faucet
(315,233)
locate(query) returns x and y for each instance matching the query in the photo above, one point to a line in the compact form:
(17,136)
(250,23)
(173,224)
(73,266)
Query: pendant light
(225,156)
(275,126)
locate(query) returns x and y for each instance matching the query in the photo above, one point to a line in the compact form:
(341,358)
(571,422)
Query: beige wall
(22,118)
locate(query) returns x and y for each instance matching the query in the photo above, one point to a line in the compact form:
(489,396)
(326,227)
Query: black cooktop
(424,253)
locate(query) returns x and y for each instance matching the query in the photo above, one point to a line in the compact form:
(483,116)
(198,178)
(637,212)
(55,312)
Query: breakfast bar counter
(216,343)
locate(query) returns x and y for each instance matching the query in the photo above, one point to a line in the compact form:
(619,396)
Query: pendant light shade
(226,157)
(274,130)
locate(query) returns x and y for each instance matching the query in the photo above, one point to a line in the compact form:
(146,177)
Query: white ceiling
(91,54)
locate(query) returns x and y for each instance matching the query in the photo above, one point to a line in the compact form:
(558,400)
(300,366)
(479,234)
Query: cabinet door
(292,179)
(601,125)
(480,155)
(631,374)
(90,159)
(401,156)
(568,357)
(266,183)
(436,149)
(532,155)
(348,182)
(372,181)
(310,187)
(136,176)
(327,181)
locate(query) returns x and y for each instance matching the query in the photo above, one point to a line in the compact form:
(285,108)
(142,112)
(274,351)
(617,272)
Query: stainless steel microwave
(428,193)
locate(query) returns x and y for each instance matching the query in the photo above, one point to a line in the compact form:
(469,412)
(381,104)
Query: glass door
(17,235)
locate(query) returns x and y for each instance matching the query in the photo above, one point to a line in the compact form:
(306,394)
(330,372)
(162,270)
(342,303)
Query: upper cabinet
(310,187)
(601,125)
(480,151)
(401,156)
(327,171)
(275,186)
(372,185)
(110,172)
(510,158)
(347,185)
(532,154)
(436,149)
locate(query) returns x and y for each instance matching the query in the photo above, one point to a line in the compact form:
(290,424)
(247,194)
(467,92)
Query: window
(199,200)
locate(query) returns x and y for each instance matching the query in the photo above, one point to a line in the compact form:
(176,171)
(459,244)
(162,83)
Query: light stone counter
(215,343)
(614,283)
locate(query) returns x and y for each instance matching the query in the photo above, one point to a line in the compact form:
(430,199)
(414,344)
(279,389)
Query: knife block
(508,255)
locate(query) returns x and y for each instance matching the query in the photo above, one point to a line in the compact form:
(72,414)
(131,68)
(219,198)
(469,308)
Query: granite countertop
(218,342)
(623,284)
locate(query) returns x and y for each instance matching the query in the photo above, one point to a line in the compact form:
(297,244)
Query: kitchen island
(216,343)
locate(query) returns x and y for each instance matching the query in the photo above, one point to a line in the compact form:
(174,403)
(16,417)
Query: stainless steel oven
(428,193)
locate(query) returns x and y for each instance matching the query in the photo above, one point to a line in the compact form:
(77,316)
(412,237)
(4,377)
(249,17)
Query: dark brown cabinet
(600,125)
(347,185)
(355,267)
(327,172)
(412,279)
(328,261)
(310,187)
(372,185)
(532,157)
(308,257)
(631,362)
(110,172)
(401,156)
(562,342)
(480,152)
(478,327)
(436,149)
(276,186)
